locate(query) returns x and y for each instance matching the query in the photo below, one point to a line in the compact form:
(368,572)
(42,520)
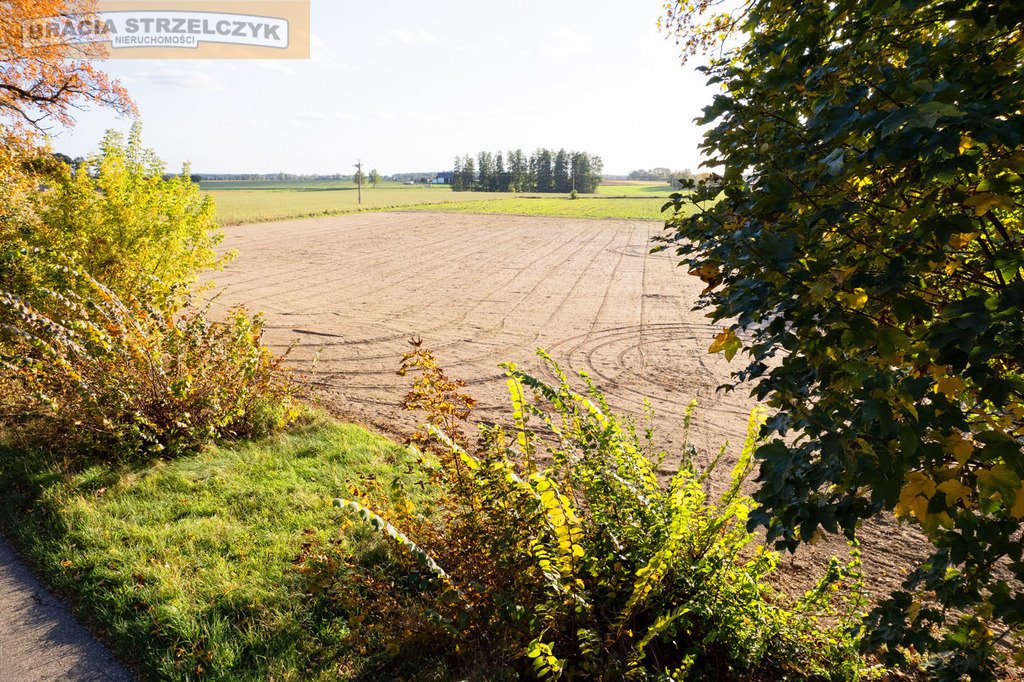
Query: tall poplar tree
(457,178)
(543,171)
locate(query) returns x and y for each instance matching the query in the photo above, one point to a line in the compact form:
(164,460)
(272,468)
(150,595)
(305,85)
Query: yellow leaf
(919,507)
(727,342)
(708,273)
(1017,510)
(908,406)
(1004,475)
(960,448)
(999,481)
(719,343)
(959,241)
(986,201)
(951,387)
(915,495)
(955,491)
(855,300)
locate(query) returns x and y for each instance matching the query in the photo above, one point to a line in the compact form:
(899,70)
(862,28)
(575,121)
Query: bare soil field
(350,291)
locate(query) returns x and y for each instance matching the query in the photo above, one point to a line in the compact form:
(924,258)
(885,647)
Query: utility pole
(359,180)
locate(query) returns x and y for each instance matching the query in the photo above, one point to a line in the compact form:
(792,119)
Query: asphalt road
(40,639)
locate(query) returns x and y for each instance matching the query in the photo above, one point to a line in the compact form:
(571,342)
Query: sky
(406,85)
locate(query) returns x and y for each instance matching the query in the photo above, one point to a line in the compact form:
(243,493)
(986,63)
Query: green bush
(123,378)
(117,216)
(19,216)
(557,551)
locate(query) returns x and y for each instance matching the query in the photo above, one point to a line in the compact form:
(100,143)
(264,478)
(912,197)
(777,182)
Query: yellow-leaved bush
(556,548)
(116,215)
(120,218)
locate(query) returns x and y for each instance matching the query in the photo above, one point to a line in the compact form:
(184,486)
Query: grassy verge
(185,567)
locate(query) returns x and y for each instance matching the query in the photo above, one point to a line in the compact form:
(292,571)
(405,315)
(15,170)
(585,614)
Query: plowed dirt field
(483,289)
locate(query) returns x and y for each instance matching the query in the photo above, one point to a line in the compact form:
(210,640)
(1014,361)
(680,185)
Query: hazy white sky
(406,85)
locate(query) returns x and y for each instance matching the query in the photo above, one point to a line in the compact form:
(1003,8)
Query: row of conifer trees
(544,170)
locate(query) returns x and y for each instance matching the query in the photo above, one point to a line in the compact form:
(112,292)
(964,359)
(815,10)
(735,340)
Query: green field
(291,185)
(596,208)
(634,188)
(253,202)
(240,202)
(185,567)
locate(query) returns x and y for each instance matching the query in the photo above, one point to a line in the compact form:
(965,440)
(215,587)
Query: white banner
(154,28)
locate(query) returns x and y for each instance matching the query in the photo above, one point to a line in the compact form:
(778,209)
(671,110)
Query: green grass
(240,202)
(253,202)
(185,567)
(635,189)
(291,185)
(557,207)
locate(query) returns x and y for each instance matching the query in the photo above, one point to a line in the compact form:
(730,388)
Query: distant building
(444,178)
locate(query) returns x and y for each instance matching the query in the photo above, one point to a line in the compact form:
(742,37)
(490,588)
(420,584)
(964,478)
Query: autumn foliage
(41,88)
(100,351)
(552,550)
(42,84)
(87,372)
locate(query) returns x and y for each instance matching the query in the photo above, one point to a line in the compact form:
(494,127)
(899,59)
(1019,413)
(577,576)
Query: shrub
(18,216)
(122,378)
(564,554)
(118,217)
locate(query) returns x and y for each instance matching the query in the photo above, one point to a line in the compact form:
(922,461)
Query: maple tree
(865,246)
(43,82)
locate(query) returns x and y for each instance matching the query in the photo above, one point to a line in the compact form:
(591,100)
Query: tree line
(659,173)
(677,179)
(544,170)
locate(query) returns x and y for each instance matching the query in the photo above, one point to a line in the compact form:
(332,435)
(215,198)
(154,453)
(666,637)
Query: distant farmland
(586,206)
(259,201)
(634,188)
(240,202)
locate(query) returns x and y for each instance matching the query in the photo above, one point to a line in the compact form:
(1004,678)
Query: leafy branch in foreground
(554,549)
(866,250)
